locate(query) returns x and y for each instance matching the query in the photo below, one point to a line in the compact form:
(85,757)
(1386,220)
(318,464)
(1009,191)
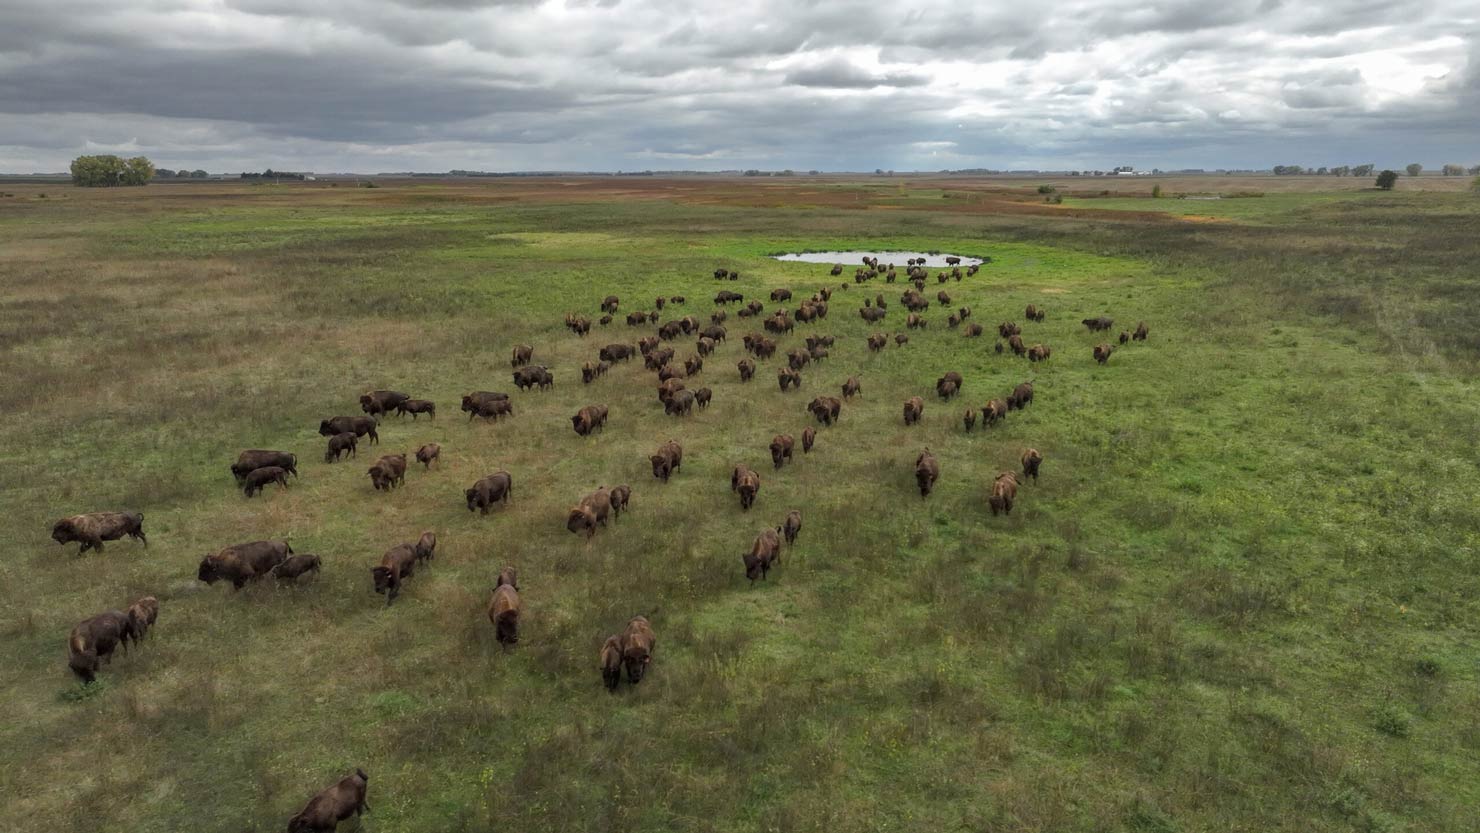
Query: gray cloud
(835,84)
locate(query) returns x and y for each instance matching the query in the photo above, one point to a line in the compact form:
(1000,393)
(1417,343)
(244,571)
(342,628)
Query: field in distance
(1242,595)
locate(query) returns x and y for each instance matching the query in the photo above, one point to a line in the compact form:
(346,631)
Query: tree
(1362,171)
(1474,170)
(1341,170)
(198,174)
(1387,179)
(1454,170)
(108,171)
(1414,169)
(163,173)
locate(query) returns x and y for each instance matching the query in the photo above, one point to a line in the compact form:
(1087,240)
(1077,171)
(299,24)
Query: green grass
(1243,596)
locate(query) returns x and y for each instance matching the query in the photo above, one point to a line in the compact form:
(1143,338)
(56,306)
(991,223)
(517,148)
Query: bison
(590,513)
(1102,352)
(1098,324)
(1032,459)
(142,615)
(763,553)
(1141,332)
(340,443)
(668,460)
(473,402)
(589,419)
(747,369)
(616,353)
(1016,343)
(360,426)
(781,446)
(1039,353)
(1021,397)
(325,811)
(381,401)
(495,488)
(680,403)
(1004,491)
(503,612)
(927,471)
(428,453)
(611,662)
(747,483)
(93,641)
(397,565)
(294,567)
(416,407)
(826,409)
(252,459)
(242,563)
(263,476)
(852,387)
(92,529)
(993,411)
(638,643)
(523,354)
(968,419)
(914,407)
(388,472)
(786,377)
(620,495)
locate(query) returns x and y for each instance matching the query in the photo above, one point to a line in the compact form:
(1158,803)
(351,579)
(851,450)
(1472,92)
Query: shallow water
(899,259)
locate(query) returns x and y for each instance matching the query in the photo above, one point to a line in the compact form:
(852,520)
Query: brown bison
(611,662)
(1031,313)
(360,426)
(809,437)
(397,565)
(852,387)
(1125,337)
(381,401)
(973,330)
(1004,491)
(340,443)
(616,353)
(900,339)
(242,563)
(993,411)
(1039,353)
(325,811)
(427,453)
(1098,324)
(877,342)
(425,546)
(747,483)
(927,471)
(763,553)
(943,297)
(915,322)
(680,403)
(725,296)
(93,641)
(142,615)
(747,369)
(495,488)
(968,419)
(503,612)
(914,407)
(692,365)
(1021,397)
(781,294)
(705,346)
(798,359)
(590,513)
(951,381)
(263,476)
(1007,329)
(523,354)
(473,402)
(826,409)
(610,303)
(1016,343)
(416,407)
(493,409)
(534,376)
(1032,459)
(1141,332)
(638,643)
(1102,352)
(589,419)
(702,397)
(92,529)
(620,495)
(667,461)
(295,566)
(786,377)
(872,314)
(781,446)
(252,459)
(668,388)
(388,472)
(792,526)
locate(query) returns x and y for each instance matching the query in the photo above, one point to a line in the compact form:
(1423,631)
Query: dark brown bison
(1039,315)
(993,411)
(705,346)
(792,526)
(1039,353)
(1098,324)
(263,476)
(397,565)
(534,376)
(725,296)
(781,294)
(900,339)
(638,643)
(493,409)
(670,372)
(610,303)
(325,811)
(952,260)
(826,409)
(781,446)
(1004,492)
(589,419)
(92,529)
(914,407)
(798,359)
(252,459)
(523,354)
(1125,337)
(242,563)
(495,488)
(360,426)
(590,513)
(968,419)
(765,552)
(636,319)
(809,438)
(427,453)
(747,483)
(503,612)
(378,402)
(747,369)
(388,472)
(721,274)
(952,320)
(837,269)
(611,662)
(1102,352)
(1031,313)
(702,397)
(852,387)
(715,332)
(604,320)
(142,615)
(416,407)
(1141,332)
(616,352)
(1032,459)
(620,495)
(1008,329)
(591,371)
(1021,397)
(943,297)
(93,641)
(473,401)
(786,377)
(915,322)
(927,471)
(668,460)
(952,381)
(877,342)
(998,348)
(657,359)
(692,365)
(973,330)
(667,389)
(1016,343)
(295,566)
(509,576)
(680,403)
(660,301)
(676,299)
(425,546)
(872,314)
(339,444)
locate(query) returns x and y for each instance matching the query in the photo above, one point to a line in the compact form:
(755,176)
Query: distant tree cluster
(271,174)
(110,171)
(166,173)
(1337,170)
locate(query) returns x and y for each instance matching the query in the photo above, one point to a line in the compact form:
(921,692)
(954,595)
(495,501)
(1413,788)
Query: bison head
(472,495)
(207,572)
(580,519)
(754,567)
(660,465)
(384,579)
(63,533)
(325,430)
(636,658)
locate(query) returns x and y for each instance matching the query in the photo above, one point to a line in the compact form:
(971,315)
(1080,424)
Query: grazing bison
(388,472)
(915,322)
(725,296)
(294,567)
(590,513)
(993,411)
(1016,343)
(943,297)
(638,643)
(809,437)
(242,563)
(533,376)
(852,388)
(763,553)
(381,401)
(1031,313)
(657,359)
(620,496)
(900,339)
(93,641)
(495,488)
(968,419)
(92,529)
(472,402)
(792,526)
(1102,352)
(705,346)
(781,294)
(523,354)
(747,369)
(589,419)
(668,460)
(1008,329)
(877,342)
(397,565)
(427,453)
(1032,459)
(611,662)
(680,403)
(914,407)
(1021,397)
(340,443)
(493,409)
(951,381)
(786,377)
(670,372)
(1141,332)
(702,397)
(360,426)
(747,483)
(837,269)
(263,476)
(1039,353)
(826,409)
(503,612)
(798,359)
(616,352)
(872,314)
(1004,491)
(416,407)
(334,804)
(1098,324)
(252,459)
(142,615)
(973,330)
(927,471)
(781,446)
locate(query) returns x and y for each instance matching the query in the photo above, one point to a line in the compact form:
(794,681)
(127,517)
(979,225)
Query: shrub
(1045,189)
(1387,179)
(107,171)
(1156,192)
(1391,721)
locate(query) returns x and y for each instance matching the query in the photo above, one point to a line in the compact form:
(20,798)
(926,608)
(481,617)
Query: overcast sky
(432,85)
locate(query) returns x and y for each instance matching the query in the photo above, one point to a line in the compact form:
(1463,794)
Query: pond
(899,259)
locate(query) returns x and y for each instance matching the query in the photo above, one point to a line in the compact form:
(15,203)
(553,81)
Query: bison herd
(94,640)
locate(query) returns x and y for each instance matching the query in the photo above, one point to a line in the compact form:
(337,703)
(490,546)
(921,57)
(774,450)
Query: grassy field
(1243,597)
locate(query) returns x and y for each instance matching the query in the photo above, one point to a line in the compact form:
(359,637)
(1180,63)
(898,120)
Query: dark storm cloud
(508,84)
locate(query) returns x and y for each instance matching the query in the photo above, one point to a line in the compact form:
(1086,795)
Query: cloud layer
(385,85)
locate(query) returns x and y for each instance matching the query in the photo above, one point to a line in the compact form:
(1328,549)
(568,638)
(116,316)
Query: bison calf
(259,478)
(809,436)
(340,443)
(297,566)
(427,453)
(611,662)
